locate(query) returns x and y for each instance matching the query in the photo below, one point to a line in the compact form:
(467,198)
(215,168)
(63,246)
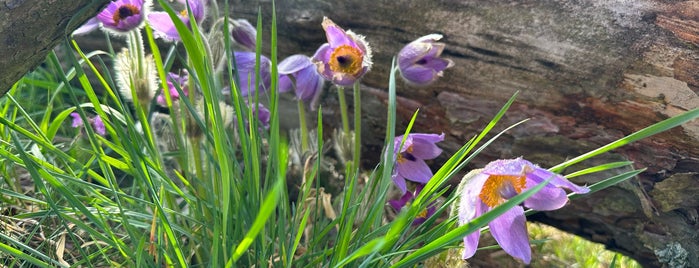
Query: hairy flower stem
(357,126)
(135,46)
(343,110)
(303,126)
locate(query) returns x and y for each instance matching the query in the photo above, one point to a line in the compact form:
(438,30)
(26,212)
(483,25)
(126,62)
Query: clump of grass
(222,196)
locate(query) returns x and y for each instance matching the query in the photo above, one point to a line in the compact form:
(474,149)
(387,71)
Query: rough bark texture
(29,29)
(589,73)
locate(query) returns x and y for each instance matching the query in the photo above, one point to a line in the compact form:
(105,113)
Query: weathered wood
(589,73)
(29,29)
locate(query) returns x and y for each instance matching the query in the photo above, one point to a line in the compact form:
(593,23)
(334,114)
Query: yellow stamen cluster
(422,214)
(346,59)
(491,191)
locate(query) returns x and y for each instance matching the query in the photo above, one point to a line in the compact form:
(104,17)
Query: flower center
(346,59)
(498,188)
(407,155)
(422,214)
(125,11)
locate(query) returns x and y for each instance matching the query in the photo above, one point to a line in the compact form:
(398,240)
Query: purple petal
(245,68)
(471,240)
(399,181)
(285,84)
(400,203)
(510,231)
(336,36)
(540,175)
(437,64)
(470,205)
(549,198)
(508,167)
(398,139)
(263,115)
(471,244)
(77,121)
(294,63)
(321,59)
(163,26)
(89,26)
(198,8)
(244,34)
(424,145)
(308,84)
(419,75)
(414,170)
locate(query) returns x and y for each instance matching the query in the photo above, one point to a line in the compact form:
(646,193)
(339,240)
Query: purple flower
(410,160)
(164,27)
(298,72)
(499,181)
(244,34)
(407,197)
(345,58)
(95,121)
(181,80)
(245,69)
(119,17)
(419,62)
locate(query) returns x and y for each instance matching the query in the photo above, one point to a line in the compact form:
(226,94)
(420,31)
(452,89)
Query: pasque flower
(419,62)
(345,58)
(408,197)
(119,17)
(499,181)
(163,25)
(95,121)
(410,159)
(245,71)
(244,34)
(298,72)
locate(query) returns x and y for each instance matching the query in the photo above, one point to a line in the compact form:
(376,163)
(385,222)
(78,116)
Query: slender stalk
(302,125)
(343,109)
(357,126)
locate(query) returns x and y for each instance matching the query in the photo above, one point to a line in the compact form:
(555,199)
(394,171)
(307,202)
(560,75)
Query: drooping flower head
(419,62)
(172,79)
(95,121)
(119,17)
(164,27)
(345,58)
(245,70)
(410,159)
(499,181)
(407,198)
(244,34)
(298,72)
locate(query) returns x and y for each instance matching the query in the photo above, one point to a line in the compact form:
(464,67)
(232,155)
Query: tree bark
(29,29)
(589,72)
